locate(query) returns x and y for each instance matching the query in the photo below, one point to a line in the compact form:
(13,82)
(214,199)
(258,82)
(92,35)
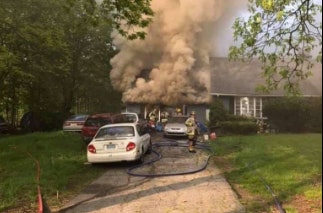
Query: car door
(144,136)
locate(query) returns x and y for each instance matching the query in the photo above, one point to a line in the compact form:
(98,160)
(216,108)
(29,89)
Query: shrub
(239,127)
(218,113)
(294,114)
(224,123)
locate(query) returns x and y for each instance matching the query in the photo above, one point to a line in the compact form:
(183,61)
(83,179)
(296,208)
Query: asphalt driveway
(205,191)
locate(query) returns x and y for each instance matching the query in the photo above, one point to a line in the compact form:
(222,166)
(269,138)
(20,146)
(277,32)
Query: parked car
(74,123)
(175,126)
(135,118)
(4,126)
(93,123)
(119,142)
(131,116)
(31,122)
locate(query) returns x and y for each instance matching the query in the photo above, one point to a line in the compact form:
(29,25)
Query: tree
(283,35)
(129,18)
(54,54)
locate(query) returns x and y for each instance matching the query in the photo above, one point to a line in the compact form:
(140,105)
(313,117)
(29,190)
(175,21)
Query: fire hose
(198,145)
(130,171)
(39,195)
(270,190)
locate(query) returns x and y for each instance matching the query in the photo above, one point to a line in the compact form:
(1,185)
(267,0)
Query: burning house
(177,48)
(173,69)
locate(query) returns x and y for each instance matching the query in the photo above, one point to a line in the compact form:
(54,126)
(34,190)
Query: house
(235,84)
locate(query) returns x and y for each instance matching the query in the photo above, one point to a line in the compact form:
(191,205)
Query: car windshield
(116,131)
(77,118)
(177,120)
(97,121)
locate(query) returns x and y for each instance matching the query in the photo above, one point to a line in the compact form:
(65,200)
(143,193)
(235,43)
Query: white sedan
(119,142)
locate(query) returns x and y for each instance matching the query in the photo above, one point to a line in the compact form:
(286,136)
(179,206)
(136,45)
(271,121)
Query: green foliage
(133,15)
(54,55)
(228,123)
(293,114)
(238,128)
(291,165)
(240,118)
(218,113)
(284,36)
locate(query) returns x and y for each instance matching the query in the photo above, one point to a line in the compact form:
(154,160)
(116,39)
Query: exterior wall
(133,108)
(201,111)
(228,102)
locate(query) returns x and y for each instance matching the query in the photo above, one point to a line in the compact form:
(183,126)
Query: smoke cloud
(171,66)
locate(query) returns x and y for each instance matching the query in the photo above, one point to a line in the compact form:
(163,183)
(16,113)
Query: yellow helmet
(193,113)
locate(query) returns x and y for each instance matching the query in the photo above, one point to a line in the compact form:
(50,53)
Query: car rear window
(97,121)
(116,131)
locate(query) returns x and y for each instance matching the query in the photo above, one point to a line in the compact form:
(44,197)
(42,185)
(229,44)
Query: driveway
(147,190)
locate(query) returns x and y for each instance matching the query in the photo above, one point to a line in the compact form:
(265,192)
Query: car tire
(142,157)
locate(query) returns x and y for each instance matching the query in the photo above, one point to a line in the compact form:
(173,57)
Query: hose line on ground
(42,206)
(198,145)
(270,190)
(158,157)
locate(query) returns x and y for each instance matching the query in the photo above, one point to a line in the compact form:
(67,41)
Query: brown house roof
(232,78)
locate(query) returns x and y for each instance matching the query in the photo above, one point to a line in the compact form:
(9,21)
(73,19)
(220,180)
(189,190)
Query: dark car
(4,126)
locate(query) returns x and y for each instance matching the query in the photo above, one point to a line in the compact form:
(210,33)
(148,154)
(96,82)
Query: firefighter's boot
(191,147)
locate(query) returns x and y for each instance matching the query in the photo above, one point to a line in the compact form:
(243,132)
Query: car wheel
(142,157)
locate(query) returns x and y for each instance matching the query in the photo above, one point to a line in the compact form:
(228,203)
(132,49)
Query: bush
(218,113)
(315,115)
(225,123)
(239,127)
(295,114)
(240,118)
(41,121)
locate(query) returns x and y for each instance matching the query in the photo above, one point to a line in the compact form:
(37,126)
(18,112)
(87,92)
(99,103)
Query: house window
(248,106)
(244,106)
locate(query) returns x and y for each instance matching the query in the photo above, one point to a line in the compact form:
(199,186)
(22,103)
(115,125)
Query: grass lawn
(291,165)
(264,168)
(61,158)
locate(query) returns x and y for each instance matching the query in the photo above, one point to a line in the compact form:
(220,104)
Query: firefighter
(152,116)
(192,131)
(164,118)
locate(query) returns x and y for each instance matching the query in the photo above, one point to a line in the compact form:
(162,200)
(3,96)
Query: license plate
(111,146)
